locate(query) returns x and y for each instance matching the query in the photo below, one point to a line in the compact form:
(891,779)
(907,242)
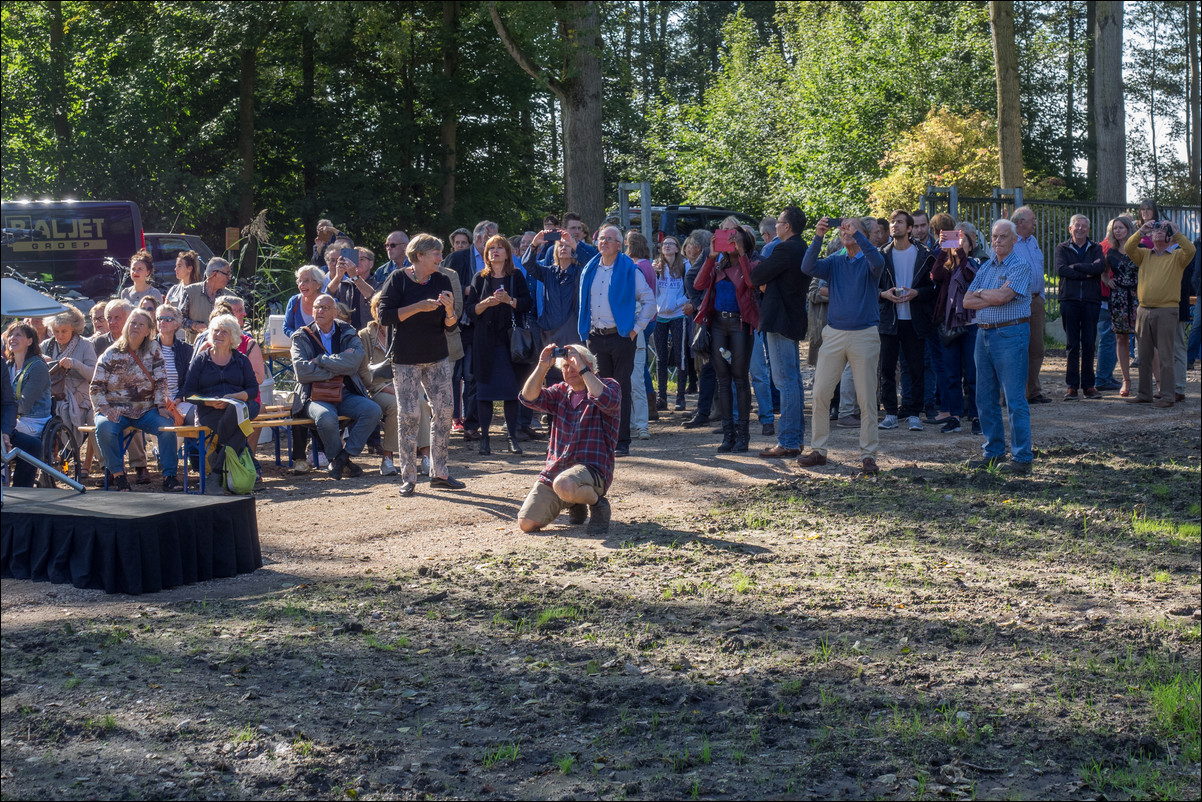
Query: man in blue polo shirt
(1001,295)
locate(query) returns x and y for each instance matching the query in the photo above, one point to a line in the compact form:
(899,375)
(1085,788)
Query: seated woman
(187,271)
(379,386)
(129,389)
(299,313)
(221,371)
(177,352)
(72,361)
(30,377)
(497,297)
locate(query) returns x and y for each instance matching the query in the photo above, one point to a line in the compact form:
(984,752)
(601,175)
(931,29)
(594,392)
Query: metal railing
(1051,219)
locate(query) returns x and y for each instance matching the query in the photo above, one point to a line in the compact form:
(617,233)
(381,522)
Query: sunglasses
(165,319)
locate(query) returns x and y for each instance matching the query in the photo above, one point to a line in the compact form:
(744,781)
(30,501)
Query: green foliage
(945,149)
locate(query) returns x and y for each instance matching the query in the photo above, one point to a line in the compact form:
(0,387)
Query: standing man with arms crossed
(1028,250)
(1080,263)
(1000,294)
(850,336)
(783,323)
(616,304)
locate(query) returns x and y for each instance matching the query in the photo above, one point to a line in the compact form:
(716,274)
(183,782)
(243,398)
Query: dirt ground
(743,629)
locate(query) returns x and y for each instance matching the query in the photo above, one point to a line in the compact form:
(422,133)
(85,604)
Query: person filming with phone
(585,412)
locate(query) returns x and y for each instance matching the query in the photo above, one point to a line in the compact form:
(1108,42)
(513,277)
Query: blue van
(65,242)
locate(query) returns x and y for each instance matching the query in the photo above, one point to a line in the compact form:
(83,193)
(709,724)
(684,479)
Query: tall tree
(1009,115)
(246,151)
(1193,99)
(58,95)
(577,85)
(1109,115)
(448,128)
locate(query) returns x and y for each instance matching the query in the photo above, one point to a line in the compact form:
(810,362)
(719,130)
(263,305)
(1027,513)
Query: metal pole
(645,202)
(32,460)
(623,209)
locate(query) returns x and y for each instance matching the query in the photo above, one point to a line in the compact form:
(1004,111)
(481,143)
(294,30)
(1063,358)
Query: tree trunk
(1194,104)
(1155,56)
(58,98)
(306,100)
(449,127)
(1009,127)
(1066,149)
(579,93)
(246,153)
(1091,96)
(1109,117)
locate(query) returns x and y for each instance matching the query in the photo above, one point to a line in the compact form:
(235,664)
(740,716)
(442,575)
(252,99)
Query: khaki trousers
(861,350)
(1035,348)
(1156,328)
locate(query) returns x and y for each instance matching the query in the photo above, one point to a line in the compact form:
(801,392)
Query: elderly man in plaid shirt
(1001,295)
(585,412)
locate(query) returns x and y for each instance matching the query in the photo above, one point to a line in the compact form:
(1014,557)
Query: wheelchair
(59,450)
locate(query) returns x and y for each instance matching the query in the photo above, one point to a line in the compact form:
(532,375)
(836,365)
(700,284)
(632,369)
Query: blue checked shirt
(991,276)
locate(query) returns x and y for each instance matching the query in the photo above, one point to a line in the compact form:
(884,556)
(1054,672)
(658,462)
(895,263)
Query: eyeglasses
(163,319)
(608,239)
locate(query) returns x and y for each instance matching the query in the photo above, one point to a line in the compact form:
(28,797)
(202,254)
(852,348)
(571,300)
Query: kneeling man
(585,412)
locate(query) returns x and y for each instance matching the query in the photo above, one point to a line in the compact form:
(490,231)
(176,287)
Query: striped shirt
(991,276)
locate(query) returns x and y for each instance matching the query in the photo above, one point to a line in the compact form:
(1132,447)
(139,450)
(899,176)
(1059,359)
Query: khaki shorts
(543,505)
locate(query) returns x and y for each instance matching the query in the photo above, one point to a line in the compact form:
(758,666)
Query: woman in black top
(417,300)
(497,299)
(221,372)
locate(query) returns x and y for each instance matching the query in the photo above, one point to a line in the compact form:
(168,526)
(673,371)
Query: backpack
(239,472)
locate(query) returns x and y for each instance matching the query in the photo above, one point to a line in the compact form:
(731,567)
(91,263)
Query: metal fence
(1051,219)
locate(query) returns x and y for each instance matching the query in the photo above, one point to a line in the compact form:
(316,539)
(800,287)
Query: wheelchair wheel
(60,452)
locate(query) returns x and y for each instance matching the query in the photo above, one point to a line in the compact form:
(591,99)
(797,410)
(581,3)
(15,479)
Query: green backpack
(239,472)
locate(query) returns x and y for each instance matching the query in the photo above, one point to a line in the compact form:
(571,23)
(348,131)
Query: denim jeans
(958,395)
(1108,353)
(761,378)
(1001,357)
(1081,331)
(786,374)
(108,437)
(669,343)
(364,414)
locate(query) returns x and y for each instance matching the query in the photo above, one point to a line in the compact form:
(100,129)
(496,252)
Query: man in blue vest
(616,304)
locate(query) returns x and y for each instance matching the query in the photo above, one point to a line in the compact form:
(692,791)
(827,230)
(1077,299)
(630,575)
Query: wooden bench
(183,432)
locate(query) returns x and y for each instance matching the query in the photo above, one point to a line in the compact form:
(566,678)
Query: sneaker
(577,514)
(457,426)
(890,422)
(1071,395)
(622,451)
(976,427)
(446,483)
(915,423)
(387,468)
(853,422)
(950,425)
(644,434)
(301,467)
(171,484)
(680,406)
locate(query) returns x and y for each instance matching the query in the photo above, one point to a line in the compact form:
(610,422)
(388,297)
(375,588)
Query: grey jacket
(311,363)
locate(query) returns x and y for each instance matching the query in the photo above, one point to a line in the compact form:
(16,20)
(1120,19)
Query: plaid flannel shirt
(584,429)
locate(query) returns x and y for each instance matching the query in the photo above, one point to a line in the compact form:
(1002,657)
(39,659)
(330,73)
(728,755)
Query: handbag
(382,370)
(525,341)
(328,391)
(947,335)
(701,342)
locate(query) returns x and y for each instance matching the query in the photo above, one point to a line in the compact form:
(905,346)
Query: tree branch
(524,61)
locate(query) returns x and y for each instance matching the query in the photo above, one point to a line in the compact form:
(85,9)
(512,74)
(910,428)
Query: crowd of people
(910,320)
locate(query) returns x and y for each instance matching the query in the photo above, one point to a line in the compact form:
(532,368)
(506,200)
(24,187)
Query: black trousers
(737,338)
(615,360)
(471,414)
(1081,333)
(914,346)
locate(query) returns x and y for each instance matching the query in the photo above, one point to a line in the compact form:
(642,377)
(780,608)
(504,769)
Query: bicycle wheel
(61,453)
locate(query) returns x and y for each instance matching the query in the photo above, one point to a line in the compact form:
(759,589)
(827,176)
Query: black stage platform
(126,542)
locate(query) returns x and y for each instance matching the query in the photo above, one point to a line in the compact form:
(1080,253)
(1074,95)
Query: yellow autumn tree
(947,148)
